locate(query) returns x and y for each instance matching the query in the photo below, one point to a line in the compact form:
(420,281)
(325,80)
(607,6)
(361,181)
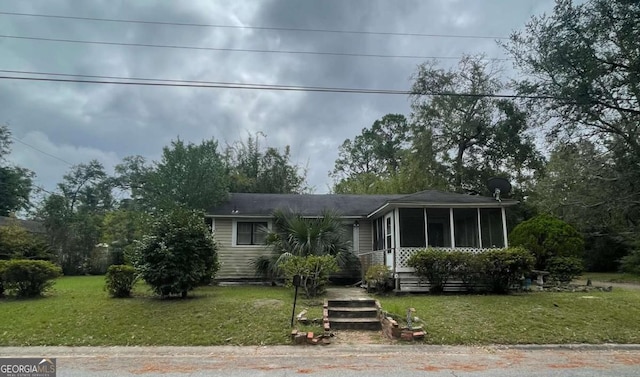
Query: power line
(41,151)
(177,83)
(361,32)
(178,47)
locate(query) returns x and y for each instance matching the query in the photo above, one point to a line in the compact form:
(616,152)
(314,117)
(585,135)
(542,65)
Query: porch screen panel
(491,225)
(378,237)
(412,227)
(466,227)
(438,227)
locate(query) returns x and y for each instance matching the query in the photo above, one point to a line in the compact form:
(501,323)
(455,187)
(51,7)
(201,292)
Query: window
(491,224)
(412,227)
(438,227)
(466,227)
(250,232)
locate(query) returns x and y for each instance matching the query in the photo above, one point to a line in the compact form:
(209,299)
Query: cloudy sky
(69,123)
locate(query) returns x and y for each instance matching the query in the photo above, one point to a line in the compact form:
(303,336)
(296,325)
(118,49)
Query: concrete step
(352,312)
(352,303)
(354,323)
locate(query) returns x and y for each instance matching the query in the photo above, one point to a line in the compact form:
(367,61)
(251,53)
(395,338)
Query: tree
(188,175)
(15,182)
(73,217)
(475,136)
(547,237)
(17,243)
(581,62)
(178,254)
(270,171)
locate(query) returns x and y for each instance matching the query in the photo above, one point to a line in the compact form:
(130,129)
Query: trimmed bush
(503,268)
(377,278)
(547,237)
(435,265)
(178,255)
(565,269)
(120,279)
(29,278)
(314,270)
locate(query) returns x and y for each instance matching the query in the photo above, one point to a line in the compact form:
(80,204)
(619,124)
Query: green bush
(502,268)
(565,269)
(178,255)
(547,237)
(631,263)
(29,278)
(314,270)
(378,278)
(468,268)
(120,279)
(435,265)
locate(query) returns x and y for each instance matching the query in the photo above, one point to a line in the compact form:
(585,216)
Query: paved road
(339,360)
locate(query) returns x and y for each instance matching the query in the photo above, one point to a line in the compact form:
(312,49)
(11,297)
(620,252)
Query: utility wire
(41,151)
(177,83)
(178,47)
(361,32)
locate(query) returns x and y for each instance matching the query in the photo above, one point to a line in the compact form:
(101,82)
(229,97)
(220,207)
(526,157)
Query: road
(340,360)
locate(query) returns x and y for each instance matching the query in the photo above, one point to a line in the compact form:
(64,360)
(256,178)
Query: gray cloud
(78,122)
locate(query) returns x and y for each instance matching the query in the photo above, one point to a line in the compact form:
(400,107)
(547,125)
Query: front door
(389,244)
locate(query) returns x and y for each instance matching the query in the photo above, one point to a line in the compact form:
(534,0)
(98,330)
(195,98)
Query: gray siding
(366,237)
(236,262)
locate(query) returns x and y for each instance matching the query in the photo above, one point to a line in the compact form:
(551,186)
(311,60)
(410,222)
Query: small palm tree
(295,235)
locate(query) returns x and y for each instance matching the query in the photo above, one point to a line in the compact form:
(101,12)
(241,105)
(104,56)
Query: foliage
(631,263)
(3,264)
(565,269)
(547,237)
(435,265)
(17,182)
(120,231)
(252,169)
(313,269)
(178,254)
(17,243)
(378,278)
(503,268)
(120,279)
(29,278)
(581,64)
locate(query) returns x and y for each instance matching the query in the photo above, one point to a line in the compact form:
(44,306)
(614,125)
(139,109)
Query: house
(385,229)
(31,226)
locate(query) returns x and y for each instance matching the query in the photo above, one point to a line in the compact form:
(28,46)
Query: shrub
(29,278)
(547,237)
(434,265)
(178,255)
(468,268)
(502,268)
(377,278)
(2,267)
(565,269)
(120,279)
(631,263)
(314,270)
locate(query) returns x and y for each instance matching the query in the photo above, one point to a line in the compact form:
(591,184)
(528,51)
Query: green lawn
(611,277)
(530,318)
(78,312)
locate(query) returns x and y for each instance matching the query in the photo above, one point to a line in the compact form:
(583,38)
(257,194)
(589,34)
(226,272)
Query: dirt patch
(360,337)
(267,303)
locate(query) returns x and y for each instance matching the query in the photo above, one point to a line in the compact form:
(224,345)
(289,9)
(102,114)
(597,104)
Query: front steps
(351,314)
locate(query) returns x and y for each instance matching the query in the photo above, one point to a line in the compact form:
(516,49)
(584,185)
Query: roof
(247,204)
(31,226)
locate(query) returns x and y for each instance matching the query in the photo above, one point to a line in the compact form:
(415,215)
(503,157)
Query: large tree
(474,135)
(15,182)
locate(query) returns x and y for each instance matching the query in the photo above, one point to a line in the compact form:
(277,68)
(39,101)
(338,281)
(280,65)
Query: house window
(251,232)
(466,227)
(412,227)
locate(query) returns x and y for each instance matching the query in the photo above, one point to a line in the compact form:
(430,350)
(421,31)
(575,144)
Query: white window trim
(234,230)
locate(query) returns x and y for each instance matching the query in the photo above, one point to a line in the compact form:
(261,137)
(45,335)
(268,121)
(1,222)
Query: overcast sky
(79,122)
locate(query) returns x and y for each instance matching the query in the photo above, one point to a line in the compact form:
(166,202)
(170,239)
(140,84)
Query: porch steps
(351,314)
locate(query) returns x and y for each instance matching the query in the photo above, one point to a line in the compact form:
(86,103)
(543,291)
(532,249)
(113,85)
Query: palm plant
(295,235)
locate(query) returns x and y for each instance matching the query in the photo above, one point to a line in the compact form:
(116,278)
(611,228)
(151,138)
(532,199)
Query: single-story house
(385,229)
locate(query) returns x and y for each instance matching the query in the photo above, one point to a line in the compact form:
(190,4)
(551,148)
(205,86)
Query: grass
(79,313)
(531,318)
(611,277)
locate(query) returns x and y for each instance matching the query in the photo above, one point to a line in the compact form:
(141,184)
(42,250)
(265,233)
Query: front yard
(78,312)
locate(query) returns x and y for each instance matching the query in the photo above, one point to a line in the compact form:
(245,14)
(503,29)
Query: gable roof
(247,204)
